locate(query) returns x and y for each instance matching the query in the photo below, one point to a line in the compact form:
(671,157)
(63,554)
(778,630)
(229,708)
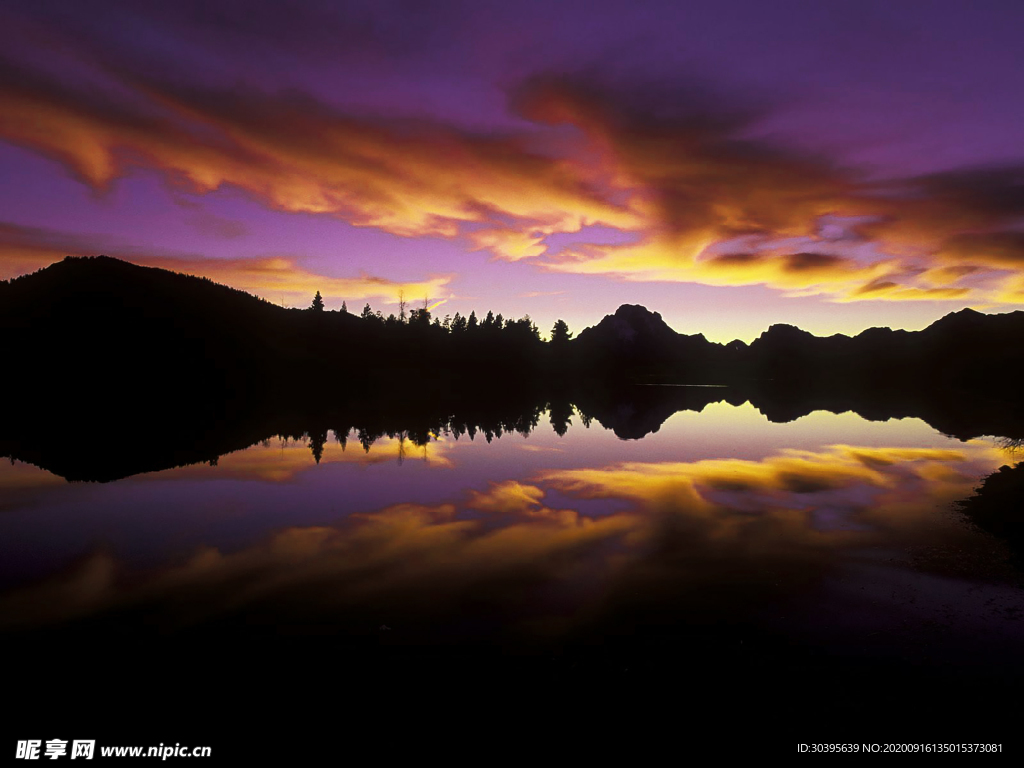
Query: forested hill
(93,324)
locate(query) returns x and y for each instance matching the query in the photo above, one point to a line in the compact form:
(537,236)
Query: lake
(721,547)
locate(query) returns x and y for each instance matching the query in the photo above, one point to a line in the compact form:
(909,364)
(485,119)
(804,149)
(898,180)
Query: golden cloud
(1011,291)
(699,186)
(683,179)
(893,290)
(509,244)
(297,155)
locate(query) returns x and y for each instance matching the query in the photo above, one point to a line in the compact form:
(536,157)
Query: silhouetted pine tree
(560,334)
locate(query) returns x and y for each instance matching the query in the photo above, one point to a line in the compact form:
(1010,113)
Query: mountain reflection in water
(721,534)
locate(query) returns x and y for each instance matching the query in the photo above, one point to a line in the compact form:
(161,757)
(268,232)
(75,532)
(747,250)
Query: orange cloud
(509,244)
(298,155)
(699,185)
(679,259)
(947,276)
(893,290)
(673,169)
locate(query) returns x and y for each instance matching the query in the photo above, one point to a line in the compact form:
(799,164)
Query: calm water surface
(830,532)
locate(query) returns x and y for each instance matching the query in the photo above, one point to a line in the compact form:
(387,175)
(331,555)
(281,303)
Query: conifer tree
(560,334)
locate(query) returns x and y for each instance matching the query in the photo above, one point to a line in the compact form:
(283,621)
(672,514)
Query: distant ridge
(955,349)
(104,314)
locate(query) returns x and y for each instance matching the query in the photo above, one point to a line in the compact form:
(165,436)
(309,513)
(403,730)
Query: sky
(729,164)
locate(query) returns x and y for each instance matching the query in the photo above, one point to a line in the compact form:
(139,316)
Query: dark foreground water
(804,579)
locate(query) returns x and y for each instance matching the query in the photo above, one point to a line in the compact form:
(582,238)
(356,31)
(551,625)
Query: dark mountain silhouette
(81,317)
(91,315)
(105,329)
(151,369)
(632,327)
(962,348)
(635,343)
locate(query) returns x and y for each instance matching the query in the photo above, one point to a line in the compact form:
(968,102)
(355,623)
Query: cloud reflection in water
(704,541)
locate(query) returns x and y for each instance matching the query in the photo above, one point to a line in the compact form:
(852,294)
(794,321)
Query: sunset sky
(835,165)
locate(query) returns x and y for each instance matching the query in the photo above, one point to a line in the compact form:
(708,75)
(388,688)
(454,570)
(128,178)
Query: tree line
(455,326)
